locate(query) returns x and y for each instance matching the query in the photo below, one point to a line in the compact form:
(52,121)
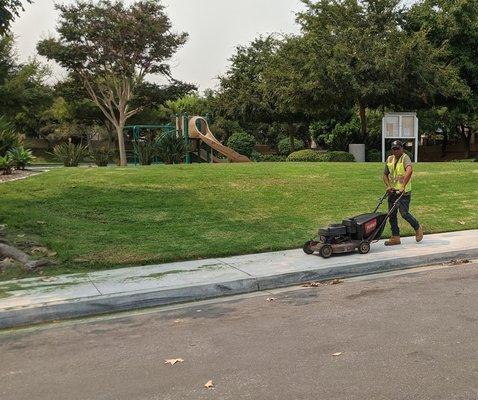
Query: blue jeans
(403,207)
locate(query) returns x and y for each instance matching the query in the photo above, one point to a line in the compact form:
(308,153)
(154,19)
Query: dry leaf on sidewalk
(173,361)
(336,281)
(271,298)
(337,354)
(209,385)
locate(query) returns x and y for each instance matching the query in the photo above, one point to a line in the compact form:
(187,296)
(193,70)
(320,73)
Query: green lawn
(101,218)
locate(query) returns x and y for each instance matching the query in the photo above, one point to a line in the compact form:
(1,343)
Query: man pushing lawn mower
(398,179)
(357,233)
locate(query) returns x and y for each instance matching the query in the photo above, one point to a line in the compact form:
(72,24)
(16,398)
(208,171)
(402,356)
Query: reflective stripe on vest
(397,173)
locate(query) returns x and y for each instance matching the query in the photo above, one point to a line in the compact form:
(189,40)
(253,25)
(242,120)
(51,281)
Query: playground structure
(199,141)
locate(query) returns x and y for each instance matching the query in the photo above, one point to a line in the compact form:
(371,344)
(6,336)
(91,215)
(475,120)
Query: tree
(454,24)
(360,55)
(262,86)
(110,49)
(25,95)
(9,9)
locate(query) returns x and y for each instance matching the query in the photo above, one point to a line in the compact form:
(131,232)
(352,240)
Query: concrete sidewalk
(36,300)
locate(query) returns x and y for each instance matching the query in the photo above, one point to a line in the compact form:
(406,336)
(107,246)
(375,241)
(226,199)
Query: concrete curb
(104,304)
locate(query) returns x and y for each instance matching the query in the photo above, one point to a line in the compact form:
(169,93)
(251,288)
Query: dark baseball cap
(397,144)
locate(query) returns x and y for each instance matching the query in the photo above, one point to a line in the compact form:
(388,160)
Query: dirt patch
(17,175)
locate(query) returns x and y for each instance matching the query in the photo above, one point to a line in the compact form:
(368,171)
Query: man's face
(397,151)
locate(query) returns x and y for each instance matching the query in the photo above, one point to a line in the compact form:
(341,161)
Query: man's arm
(408,176)
(386,180)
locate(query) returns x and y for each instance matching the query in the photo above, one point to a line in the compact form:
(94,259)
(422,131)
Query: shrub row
(313,156)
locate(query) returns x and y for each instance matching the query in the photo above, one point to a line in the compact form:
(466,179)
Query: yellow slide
(207,137)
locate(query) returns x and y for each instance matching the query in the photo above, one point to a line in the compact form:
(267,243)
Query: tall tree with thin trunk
(111,48)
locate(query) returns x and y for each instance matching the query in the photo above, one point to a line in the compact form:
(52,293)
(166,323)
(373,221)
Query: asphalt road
(411,336)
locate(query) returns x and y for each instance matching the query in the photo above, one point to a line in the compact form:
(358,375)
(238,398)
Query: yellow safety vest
(397,173)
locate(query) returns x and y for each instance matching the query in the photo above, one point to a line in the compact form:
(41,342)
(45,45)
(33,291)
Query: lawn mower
(355,233)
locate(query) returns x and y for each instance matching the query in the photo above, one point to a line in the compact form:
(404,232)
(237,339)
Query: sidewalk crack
(101,294)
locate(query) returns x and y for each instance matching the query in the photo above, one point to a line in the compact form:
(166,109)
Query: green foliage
(101,156)
(337,156)
(9,9)
(255,156)
(70,154)
(284,146)
(242,142)
(145,149)
(20,157)
(342,135)
(9,138)
(272,158)
(306,155)
(374,156)
(171,149)
(6,165)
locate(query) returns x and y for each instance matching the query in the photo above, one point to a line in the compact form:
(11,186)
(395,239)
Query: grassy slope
(100,218)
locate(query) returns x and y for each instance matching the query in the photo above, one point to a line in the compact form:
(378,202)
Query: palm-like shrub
(101,156)
(8,137)
(6,165)
(170,149)
(70,154)
(21,157)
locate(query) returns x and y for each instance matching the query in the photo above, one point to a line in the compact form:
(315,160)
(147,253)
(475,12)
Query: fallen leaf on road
(209,385)
(337,354)
(173,361)
(336,281)
(271,298)
(312,284)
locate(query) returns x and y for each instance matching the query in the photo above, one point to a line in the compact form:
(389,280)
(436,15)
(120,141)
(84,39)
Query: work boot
(419,234)
(393,241)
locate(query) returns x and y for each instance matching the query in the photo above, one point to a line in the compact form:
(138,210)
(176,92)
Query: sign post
(402,126)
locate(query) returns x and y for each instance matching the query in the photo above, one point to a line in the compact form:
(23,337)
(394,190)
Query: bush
(272,158)
(70,154)
(170,149)
(6,165)
(284,146)
(337,156)
(242,142)
(342,135)
(256,156)
(145,148)
(374,156)
(20,157)
(305,156)
(8,137)
(101,156)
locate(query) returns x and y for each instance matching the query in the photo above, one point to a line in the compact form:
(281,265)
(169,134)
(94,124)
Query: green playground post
(186,137)
(136,133)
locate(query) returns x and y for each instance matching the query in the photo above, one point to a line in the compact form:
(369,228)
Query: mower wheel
(326,251)
(307,249)
(364,247)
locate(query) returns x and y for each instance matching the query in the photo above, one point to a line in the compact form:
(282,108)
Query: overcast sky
(215,27)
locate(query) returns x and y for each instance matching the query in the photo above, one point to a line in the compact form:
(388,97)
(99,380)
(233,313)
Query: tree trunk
(291,131)
(121,146)
(363,119)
